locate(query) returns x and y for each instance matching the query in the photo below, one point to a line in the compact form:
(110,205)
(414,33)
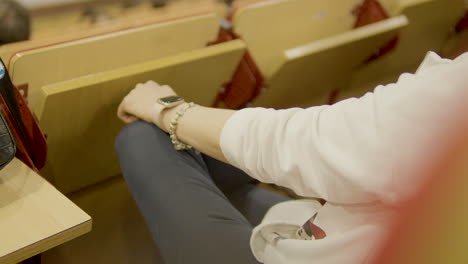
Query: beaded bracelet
(178,145)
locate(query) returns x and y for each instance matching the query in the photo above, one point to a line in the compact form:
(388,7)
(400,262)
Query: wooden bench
(391,6)
(70,62)
(431,23)
(54,25)
(307,47)
(306,74)
(34,216)
(79,115)
(60,19)
(51,64)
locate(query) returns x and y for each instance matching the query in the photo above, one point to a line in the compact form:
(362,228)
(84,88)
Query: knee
(136,135)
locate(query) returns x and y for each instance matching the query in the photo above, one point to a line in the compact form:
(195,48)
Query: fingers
(139,101)
(151,82)
(121,113)
(124,116)
(152,85)
(129,119)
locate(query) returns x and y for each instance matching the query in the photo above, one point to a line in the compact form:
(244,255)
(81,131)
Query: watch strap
(158,108)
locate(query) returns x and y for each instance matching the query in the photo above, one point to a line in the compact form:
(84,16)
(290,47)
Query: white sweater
(361,155)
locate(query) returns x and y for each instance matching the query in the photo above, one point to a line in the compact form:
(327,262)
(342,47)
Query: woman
(360,155)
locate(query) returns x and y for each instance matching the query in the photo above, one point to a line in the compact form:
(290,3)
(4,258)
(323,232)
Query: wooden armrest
(409,3)
(375,34)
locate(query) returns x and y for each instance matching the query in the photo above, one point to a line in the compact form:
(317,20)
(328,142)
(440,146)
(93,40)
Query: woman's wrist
(168,115)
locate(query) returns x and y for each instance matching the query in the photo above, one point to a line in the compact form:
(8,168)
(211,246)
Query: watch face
(170,100)
(2,71)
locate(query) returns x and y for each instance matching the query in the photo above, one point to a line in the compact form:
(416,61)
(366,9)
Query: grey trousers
(198,210)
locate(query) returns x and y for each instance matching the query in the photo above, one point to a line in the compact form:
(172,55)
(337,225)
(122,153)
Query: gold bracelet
(178,145)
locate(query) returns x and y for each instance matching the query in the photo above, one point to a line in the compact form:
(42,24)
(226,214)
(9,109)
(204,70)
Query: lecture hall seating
(431,23)
(75,95)
(60,19)
(308,48)
(57,24)
(107,52)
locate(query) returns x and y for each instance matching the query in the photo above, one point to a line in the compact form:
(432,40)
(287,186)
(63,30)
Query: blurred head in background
(159,3)
(15,22)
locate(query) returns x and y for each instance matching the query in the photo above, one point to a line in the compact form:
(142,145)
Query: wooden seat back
(62,23)
(431,24)
(307,49)
(63,18)
(307,74)
(79,115)
(52,64)
(271,27)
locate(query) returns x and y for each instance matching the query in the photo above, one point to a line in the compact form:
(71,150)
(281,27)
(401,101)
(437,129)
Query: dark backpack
(20,124)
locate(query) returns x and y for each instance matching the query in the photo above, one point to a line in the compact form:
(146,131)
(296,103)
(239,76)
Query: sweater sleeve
(358,150)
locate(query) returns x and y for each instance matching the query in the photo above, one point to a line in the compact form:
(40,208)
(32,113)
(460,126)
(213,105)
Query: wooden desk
(34,216)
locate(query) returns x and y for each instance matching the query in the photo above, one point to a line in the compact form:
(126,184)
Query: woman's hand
(139,103)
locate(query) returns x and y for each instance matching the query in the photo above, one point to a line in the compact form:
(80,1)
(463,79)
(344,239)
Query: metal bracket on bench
(23,89)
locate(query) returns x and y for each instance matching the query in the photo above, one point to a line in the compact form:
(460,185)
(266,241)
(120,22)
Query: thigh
(253,202)
(226,176)
(189,217)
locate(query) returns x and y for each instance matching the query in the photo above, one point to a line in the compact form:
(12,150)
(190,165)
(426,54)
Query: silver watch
(170,101)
